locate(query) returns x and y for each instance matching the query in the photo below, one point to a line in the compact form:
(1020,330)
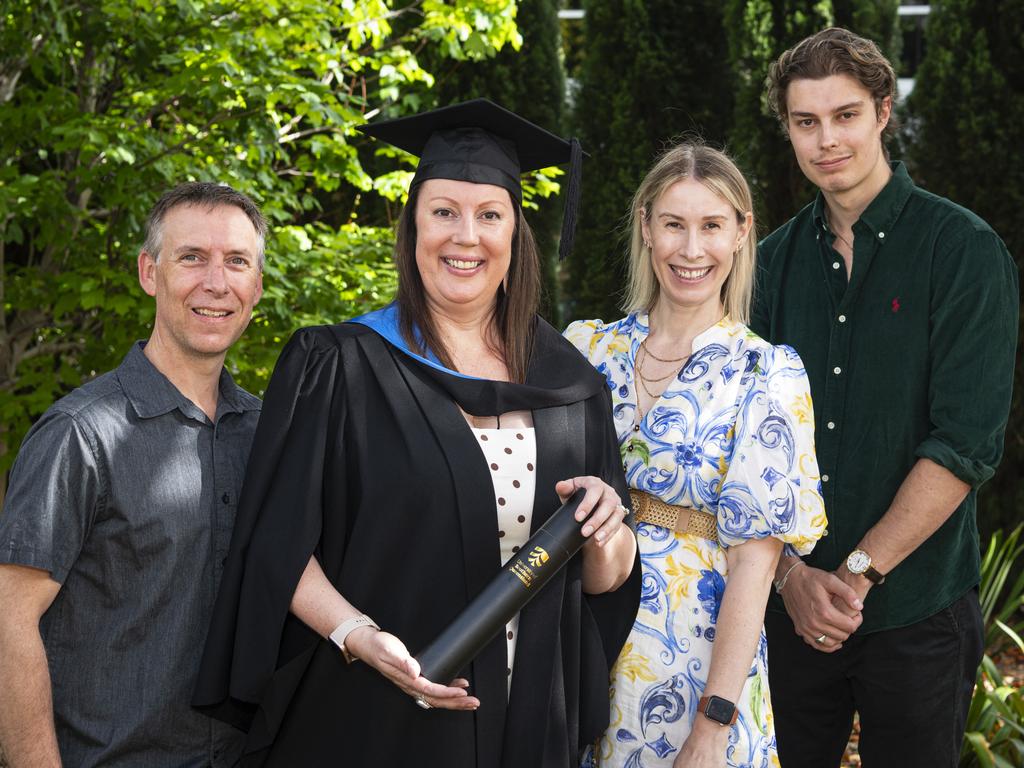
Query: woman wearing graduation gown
(399,460)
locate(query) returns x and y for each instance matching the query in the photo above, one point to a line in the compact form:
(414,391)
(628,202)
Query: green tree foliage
(530,82)
(651,70)
(876,20)
(965,126)
(760,30)
(106,103)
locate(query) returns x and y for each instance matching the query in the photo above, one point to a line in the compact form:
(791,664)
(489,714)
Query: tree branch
(200,133)
(27,322)
(50,348)
(11,72)
(3,277)
(308,132)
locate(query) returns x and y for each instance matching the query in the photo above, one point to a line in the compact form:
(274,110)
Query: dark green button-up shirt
(910,358)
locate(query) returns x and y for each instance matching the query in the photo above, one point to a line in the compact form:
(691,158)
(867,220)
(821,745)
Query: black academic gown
(362,457)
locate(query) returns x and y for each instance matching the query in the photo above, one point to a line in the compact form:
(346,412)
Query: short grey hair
(209,195)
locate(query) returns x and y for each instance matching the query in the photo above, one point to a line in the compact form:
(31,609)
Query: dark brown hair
(514,318)
(833,51)
(208,195)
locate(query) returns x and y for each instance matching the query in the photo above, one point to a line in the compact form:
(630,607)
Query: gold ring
(422,702)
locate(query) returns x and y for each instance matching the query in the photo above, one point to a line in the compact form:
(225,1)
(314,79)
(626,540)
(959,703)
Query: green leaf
(636,447)
(265,96)
(979,744)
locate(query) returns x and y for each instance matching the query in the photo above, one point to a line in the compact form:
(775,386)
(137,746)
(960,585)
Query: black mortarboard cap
(481,142)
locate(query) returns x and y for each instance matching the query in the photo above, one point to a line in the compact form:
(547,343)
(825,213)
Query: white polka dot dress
(512,456)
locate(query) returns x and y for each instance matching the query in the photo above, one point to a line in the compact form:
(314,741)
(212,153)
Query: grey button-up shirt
(125,492)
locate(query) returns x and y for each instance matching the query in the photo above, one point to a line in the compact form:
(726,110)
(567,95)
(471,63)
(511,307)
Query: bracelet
(342,631)
(782,582)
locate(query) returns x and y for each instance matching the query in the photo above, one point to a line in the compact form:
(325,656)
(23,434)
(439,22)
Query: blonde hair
(692,159)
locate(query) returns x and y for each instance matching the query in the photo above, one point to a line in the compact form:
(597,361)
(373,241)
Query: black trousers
(911,686)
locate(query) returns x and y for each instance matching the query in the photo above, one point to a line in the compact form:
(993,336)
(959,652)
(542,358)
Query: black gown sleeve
(277,528)
(612,613)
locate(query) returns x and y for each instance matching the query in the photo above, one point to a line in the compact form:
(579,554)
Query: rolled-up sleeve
(54,491)
(973,339)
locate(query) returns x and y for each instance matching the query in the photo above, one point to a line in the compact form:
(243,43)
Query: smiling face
(206,281)
(463,244)
(693,234)
(837,135)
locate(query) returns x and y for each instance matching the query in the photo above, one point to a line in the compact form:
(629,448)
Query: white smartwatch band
(341,632)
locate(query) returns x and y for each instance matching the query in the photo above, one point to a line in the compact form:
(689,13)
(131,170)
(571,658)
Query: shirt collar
(881,214)
(152,394)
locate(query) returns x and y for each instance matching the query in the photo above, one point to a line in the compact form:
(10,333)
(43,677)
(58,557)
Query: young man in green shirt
(903,307)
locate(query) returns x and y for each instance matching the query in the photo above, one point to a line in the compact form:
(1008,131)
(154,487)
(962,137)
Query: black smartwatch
(719,710)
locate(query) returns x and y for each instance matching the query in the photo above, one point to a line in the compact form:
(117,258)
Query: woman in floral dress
(716,433)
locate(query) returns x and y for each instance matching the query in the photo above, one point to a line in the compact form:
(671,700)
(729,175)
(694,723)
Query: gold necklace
(649,393)
(643,345)
(644,379)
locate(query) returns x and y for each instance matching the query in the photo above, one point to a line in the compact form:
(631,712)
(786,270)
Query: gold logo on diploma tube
(538,557)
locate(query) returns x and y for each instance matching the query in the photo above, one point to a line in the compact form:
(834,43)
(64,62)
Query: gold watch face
(858,561)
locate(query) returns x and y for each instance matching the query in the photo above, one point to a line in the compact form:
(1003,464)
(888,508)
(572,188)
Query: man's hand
(820,603)
(857,582)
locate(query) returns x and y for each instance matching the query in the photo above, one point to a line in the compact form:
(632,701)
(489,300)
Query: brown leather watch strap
(702,706)
(873,575)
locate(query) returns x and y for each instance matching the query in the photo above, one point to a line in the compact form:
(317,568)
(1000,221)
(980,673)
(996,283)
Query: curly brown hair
(833,51)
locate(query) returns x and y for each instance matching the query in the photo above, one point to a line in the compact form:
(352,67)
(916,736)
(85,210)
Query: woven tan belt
(649,509)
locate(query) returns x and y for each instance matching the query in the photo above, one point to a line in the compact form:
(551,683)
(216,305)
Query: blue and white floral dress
(733,435)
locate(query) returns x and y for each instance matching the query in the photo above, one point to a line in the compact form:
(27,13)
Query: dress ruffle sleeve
(771,486)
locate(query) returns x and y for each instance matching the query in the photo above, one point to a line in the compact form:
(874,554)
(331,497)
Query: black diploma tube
(519,580)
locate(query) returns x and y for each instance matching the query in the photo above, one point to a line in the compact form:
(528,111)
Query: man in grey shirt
(119,515)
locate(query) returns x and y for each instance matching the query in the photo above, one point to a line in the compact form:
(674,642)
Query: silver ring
(422,703)
(820,639)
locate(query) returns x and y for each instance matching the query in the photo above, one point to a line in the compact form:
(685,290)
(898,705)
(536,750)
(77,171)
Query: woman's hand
(601,503)
(322,608)
(389,656)
(609,552)
(704,747)
(820,604)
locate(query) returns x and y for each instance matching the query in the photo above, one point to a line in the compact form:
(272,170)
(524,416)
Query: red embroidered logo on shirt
(896,304)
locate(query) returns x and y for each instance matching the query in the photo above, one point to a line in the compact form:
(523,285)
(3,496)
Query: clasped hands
(825,606)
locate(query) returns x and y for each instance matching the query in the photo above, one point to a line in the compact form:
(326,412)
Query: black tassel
(572,200)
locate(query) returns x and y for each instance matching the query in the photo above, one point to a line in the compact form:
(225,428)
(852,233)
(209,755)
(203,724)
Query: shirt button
(835,265)
(881,235)
(831,425)
(824,478)
(837,370)
(629,448)
(842,318)
(636,427)
(624,465)
(226,499)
